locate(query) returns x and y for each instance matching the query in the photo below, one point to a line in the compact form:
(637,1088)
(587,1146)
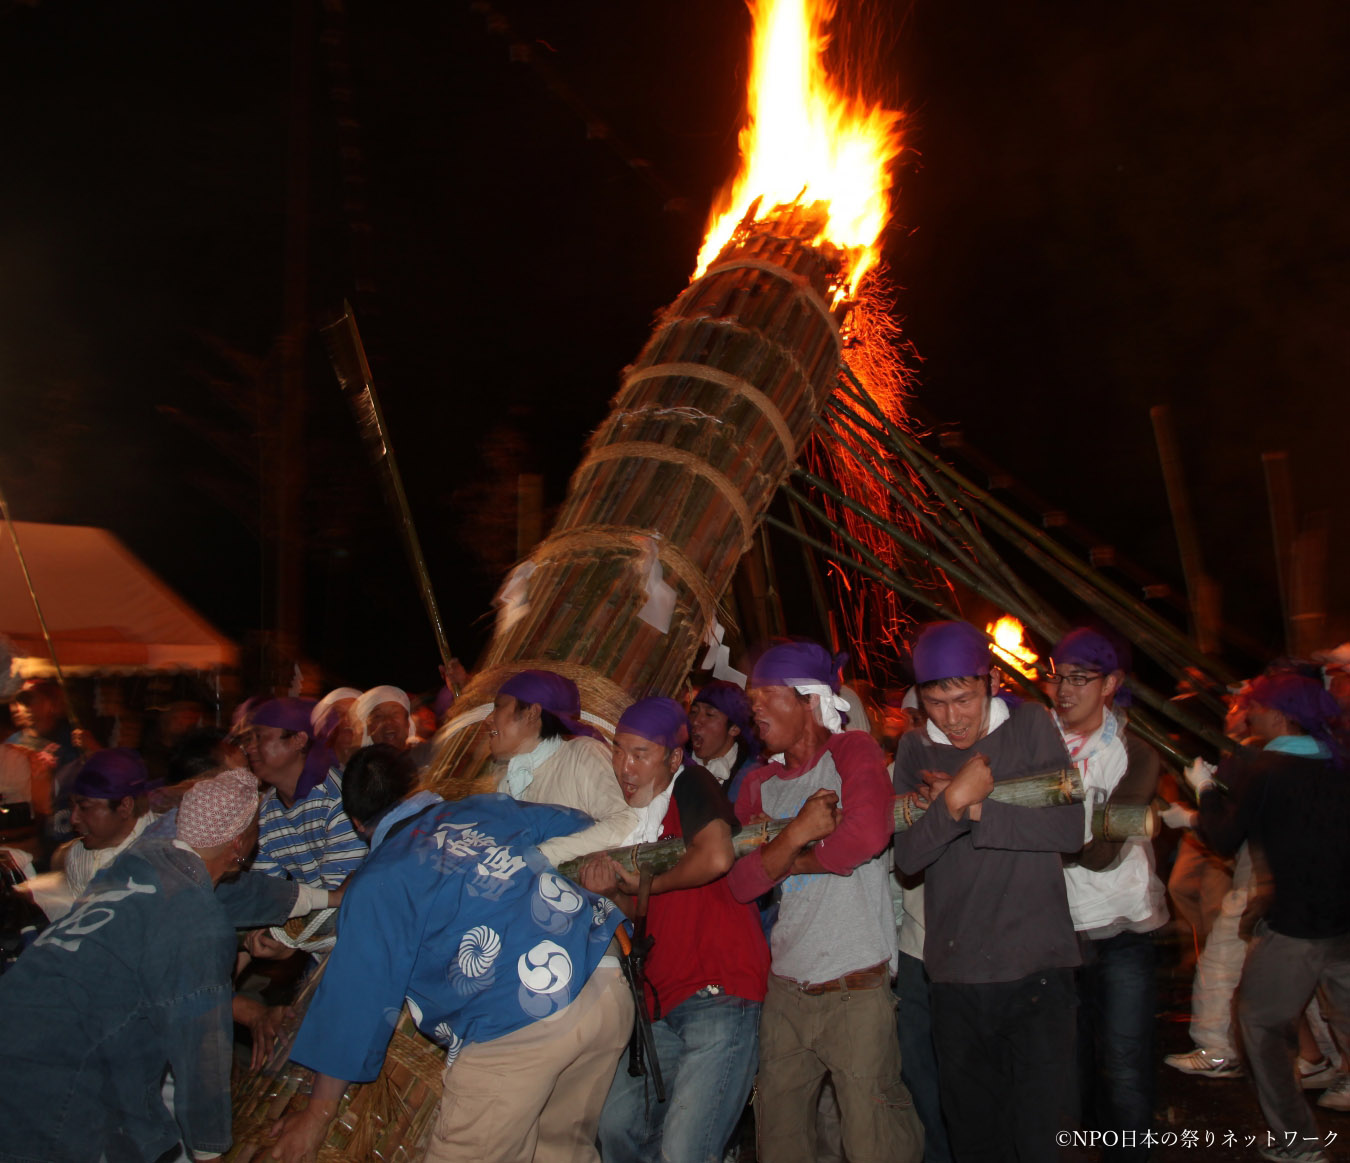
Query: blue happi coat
(458,914)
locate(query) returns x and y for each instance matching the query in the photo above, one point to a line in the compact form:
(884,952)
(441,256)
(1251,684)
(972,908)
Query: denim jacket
(133,981)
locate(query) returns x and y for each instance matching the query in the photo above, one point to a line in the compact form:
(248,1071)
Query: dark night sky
(1106,207)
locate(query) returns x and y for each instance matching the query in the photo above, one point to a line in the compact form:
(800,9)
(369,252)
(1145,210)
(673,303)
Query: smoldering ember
(698,581)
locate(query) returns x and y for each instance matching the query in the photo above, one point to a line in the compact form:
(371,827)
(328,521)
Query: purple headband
(289,714)
(556,695)
(111,774)
(1304,700)
(1086,648)
(798,664)
(731,700)
(1095,651)
(661,720)
(950,650)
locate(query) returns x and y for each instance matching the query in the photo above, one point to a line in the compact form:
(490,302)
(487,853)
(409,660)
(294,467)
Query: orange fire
(807,141)
(1010,646)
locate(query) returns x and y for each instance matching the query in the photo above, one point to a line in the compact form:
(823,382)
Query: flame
(804,140)
(1010,646)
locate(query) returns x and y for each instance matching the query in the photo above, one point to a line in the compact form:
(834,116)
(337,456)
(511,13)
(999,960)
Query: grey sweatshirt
(996,908)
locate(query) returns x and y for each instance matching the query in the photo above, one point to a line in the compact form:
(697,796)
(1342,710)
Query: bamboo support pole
(914,452)
(1050,789)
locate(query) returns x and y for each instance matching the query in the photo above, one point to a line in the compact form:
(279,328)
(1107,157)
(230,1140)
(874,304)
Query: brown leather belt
(862,979)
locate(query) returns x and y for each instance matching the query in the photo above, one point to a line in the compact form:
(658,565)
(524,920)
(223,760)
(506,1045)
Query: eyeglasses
(1072,679)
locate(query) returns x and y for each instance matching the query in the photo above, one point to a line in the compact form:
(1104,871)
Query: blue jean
(918,1059)
(707,1047)
(1117,1009)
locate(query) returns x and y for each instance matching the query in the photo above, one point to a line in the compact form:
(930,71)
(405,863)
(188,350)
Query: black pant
(1007,1063)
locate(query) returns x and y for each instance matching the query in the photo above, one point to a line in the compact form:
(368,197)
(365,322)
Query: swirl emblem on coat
(546,968)
(559,893)
(478,949)
(452,1042)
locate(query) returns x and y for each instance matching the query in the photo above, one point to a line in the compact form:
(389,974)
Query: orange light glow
(1010,646)
(806,141)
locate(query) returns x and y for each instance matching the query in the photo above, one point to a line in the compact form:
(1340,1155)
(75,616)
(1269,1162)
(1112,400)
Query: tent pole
(37,606)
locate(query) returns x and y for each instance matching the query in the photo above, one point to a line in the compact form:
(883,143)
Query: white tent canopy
(106,610)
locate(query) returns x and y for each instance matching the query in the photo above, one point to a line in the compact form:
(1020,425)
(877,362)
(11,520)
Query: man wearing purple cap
(999,944)
(1291,799)
(552,757)
(707,969)
(130,987)
(827,1010)
(304,833)
(1116,901)
(108,811)
(720,733)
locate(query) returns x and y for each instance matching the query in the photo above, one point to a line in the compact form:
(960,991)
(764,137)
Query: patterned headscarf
(216,810)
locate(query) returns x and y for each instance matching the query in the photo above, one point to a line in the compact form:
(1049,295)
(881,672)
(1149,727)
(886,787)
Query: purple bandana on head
(798,664)
(556,695)
(734,703)
(1304,700)
(661,720)
(1088,649)
(950,650)
(289,714)
(112,774)
(1093,650)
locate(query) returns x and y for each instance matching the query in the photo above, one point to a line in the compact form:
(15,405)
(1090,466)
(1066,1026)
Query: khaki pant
(850,1036)
(535,1096)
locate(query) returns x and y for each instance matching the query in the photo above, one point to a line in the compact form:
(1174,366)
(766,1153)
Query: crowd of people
(861,926)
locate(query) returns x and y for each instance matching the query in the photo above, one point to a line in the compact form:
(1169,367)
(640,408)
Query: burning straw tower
(707,424)
(716,410)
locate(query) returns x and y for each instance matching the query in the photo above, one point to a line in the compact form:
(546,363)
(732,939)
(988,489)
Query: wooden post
(1200,587)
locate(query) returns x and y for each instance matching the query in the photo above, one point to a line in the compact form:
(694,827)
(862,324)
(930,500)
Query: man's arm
(296,1137)
(1222,823)
(1020,829)
(707,856)
(587,784)
(346,1030)
(866,817)
(757,872)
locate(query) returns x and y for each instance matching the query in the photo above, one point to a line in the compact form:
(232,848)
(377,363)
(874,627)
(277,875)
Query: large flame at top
(806,140)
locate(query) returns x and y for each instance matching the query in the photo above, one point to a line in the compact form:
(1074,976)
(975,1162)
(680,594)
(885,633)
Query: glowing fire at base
(1010,645)
(805,140)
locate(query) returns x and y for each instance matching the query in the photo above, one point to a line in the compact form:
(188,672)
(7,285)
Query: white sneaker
(1204,1063)
(1337,1095)
(1315,1075)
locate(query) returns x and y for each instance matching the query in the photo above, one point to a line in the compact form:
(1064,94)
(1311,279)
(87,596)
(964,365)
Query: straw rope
(650,450)
(799,283)
(585,538)
(733,384)
(597,691)
(786,354)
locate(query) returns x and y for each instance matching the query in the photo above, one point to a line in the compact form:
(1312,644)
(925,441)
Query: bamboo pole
(348,356)
(1049,789)
(879,572)
(1019,532)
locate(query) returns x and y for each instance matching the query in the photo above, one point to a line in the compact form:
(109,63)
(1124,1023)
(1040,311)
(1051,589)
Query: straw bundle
(705,427)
